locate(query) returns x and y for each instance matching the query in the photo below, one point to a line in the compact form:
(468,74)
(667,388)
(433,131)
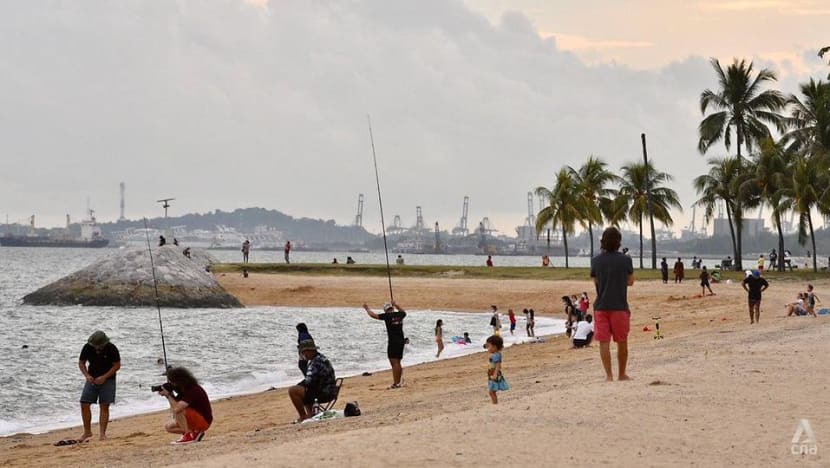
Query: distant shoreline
(477,272)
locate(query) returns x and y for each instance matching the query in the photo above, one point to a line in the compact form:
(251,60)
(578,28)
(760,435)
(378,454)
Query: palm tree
(809,179)
(809,119)
(767,181)
(564,209)
(720,184)
(592,181)
(739,103)
(635,179)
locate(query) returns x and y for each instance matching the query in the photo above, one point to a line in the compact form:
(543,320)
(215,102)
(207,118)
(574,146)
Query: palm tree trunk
(813,239)
(565,243)
(731,230)
(641,241)
(739,265)
(781,265)
(591,236)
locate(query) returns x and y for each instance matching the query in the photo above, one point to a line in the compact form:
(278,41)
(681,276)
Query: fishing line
(156,289)
(380,202)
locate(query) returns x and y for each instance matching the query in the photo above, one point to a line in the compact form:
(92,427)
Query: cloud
(581,43)
(746,5)
(222,106)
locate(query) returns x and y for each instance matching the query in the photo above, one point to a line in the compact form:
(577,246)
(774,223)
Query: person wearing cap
(754,285)
(396,340)
(319,383)
(99,361)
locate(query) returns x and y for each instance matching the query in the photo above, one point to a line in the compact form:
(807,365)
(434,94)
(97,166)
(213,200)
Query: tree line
(787,171)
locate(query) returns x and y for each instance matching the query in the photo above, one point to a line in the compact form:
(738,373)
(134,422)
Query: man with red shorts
(612,273)
(192,413)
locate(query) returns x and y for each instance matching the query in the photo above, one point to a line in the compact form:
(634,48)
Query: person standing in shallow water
(393,316)
(104,361)
(612,273)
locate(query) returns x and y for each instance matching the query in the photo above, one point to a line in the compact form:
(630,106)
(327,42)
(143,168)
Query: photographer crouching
(192,414)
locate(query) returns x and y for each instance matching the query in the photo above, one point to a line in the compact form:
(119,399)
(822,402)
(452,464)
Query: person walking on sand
(664,271)
(761,264)
(754,285)
(612,273)
(678,271)
(512,317)
(439,337)
(704,282)
(104,361)
(246,249)
(393,317)
(812,299)
(287,251)
(495,379)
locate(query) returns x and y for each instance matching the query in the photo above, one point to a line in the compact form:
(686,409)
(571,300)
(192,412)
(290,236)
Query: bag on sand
(351,409)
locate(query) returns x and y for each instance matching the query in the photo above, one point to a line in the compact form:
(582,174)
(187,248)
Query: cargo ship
(91,237)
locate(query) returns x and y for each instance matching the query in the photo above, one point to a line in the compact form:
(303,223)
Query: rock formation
(125,278)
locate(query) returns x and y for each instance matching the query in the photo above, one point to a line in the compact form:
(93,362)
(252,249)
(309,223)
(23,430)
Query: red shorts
(195,421)
(608,323)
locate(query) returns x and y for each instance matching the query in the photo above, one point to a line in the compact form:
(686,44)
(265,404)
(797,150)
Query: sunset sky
(237,103)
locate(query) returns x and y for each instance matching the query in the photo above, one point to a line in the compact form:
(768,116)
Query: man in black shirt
(104,361)
(612,273)
(754,285)
(394,331)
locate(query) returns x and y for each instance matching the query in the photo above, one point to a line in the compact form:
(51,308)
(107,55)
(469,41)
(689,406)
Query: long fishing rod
(380,202)
(156,289)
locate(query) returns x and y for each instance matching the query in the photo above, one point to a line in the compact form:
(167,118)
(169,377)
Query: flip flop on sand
(65,442)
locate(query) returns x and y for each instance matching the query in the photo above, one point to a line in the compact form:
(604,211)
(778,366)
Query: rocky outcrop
(125,278)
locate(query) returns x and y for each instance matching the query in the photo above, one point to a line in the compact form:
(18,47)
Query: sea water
(232,352)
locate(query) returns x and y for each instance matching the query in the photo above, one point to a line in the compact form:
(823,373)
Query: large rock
(125,279)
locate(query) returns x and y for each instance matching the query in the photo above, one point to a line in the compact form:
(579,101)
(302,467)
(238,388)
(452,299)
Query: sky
(236,103)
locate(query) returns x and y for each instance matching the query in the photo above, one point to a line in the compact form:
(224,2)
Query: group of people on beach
(611,272)
(100,361)
(246,251)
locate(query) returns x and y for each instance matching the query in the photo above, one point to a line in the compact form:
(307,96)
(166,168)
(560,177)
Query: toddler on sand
(495,379)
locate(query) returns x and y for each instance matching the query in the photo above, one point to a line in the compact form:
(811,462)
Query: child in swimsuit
(495,380)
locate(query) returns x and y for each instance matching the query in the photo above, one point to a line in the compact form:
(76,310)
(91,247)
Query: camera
(159,388)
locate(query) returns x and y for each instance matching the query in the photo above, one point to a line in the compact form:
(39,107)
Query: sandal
(394,386)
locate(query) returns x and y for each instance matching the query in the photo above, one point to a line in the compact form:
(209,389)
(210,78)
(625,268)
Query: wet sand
(716,391)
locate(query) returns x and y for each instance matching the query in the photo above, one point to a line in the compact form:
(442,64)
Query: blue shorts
(103,394)
(512,326)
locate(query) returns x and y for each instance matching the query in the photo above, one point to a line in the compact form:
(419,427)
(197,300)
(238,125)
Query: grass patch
(478,272)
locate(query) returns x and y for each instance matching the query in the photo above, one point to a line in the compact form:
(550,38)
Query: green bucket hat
(306,345)
(98,338)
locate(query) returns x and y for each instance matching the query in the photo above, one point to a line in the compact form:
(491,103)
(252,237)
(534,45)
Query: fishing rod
(380,202)
(156,289)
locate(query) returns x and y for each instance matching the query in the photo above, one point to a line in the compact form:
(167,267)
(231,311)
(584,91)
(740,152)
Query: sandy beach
(715,392)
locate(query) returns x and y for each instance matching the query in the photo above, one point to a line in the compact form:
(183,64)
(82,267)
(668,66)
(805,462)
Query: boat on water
(91,237)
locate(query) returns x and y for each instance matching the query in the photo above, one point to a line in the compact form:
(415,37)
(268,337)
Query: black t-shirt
(755,284)
(611,270)
(197,399)
(394,324)
(100,363)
